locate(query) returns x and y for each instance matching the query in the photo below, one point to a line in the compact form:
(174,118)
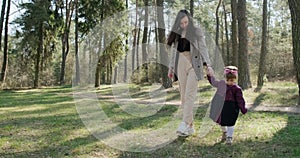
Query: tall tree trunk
(98,73)
(77,67)
(226,33)
(192,7)
(157,70)
(115,74)
(108,70)
(125,60)
(38,55)
(263,52)
(5,51)
(126,53)
(218,24)
(166,82)
(65,40)
(234,30)
(134,37)
(222,38)
(138,42)
(144,42)
(244,75)
(100,57)
(295,14)
(2,21)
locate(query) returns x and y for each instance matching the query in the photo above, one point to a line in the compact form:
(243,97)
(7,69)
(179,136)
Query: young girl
(227,102)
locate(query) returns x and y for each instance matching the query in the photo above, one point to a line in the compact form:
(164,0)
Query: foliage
(27,38)
(24,42)
(139,75)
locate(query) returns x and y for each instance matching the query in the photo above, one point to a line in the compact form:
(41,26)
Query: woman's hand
(209,71)
(170,73)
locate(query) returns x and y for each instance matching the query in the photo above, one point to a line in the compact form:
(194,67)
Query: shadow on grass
(205,88)
(54,128)
(277,97)
(284,143)
(55,150)
(21,99)
(137,122)
(54,142)
(258,100)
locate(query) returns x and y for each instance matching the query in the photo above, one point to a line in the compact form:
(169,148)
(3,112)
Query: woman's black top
(183,45)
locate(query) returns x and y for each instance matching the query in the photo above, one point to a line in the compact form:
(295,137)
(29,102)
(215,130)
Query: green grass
(274,94)
(45,123)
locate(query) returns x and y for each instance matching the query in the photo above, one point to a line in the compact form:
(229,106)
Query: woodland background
(43,42)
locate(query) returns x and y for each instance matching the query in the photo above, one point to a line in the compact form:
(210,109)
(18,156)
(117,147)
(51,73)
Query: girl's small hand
(170,73)
(209,71)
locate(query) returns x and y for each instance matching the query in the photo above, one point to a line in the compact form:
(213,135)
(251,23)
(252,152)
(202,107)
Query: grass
(272,93)
(45,123)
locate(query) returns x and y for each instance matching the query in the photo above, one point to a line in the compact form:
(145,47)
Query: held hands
(170,73)
(209,71)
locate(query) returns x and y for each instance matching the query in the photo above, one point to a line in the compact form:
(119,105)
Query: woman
(189,56)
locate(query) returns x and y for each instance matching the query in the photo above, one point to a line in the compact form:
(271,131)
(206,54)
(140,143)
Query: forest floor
(47,123)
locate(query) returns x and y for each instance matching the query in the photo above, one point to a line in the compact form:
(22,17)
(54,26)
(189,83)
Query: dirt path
(286,109)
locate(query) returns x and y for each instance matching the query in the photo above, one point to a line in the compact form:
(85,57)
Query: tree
(166,82)
(126,54)
(144,41)
(234,31)
(5,53)
(263,53)
(226,34)
(192,7)
(2,20)
(39,26)
(69,7)
(295,14)
(217,24)
(138,41)
(134,42)
(101,59)
(77,75)
(93,13)
(244,75)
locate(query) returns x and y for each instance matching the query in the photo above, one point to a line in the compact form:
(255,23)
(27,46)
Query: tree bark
(166,82)
(134,44)
(115,75)
(101,60)
(5,51)
(192,8)
(97,74)
(226,34)
(126,53)
(234,31)
(144,42)
(244,75)
(2,20)
(38,55)
(218,24)
(65,40)
(263,53)
(295,14)
(138,42)
(77,67)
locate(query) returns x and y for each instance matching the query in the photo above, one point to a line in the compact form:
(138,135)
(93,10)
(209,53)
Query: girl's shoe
(224,135)
(228,140)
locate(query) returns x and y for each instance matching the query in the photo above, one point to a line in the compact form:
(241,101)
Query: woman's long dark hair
(177,30)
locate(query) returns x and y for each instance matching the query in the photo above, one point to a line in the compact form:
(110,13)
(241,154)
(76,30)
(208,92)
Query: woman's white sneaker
(185,130)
